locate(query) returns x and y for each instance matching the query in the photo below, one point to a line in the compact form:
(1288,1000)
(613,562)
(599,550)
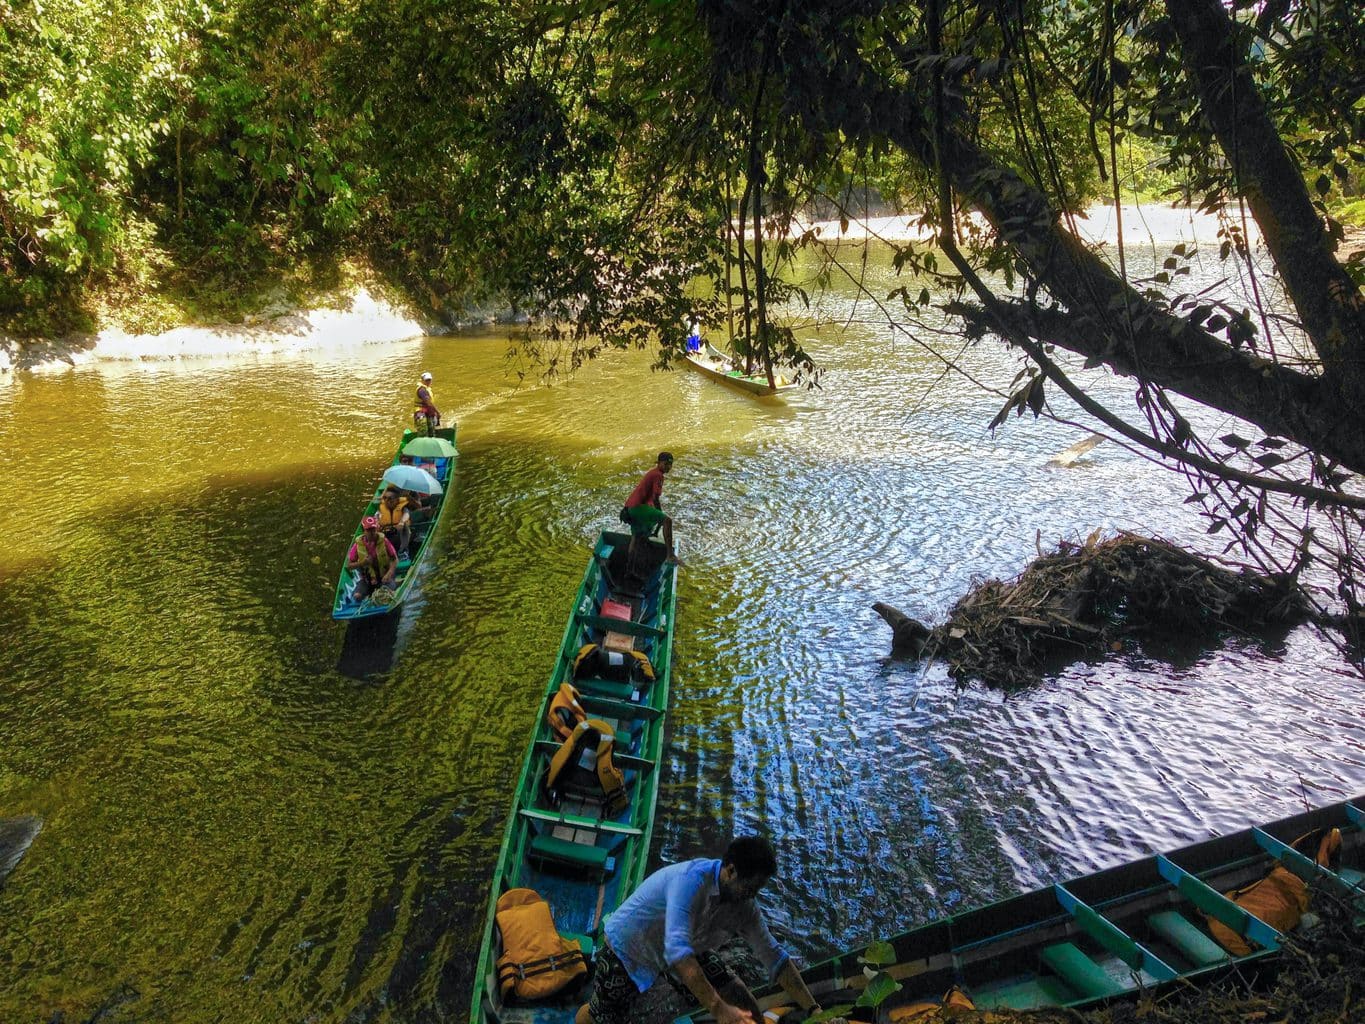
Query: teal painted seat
(1080,972)
(1024,994)
(590,859)
(1193,944)
(607,688)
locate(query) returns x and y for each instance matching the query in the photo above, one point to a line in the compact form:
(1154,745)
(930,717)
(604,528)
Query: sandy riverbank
(366,319)
(361,320)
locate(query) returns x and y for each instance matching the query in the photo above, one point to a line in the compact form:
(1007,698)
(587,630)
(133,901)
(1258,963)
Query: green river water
(252,814)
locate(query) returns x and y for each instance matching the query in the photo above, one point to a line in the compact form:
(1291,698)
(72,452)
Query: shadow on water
(369,646)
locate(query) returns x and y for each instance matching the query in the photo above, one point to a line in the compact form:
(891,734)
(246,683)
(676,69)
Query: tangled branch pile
(1085,599)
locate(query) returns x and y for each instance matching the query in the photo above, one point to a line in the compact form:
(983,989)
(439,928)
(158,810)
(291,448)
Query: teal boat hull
(583,860)
(345,606)
(1107,936)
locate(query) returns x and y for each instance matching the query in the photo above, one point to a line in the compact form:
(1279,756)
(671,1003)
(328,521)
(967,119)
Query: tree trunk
(1328,301)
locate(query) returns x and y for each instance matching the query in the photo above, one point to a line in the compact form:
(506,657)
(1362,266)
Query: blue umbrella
(410,478)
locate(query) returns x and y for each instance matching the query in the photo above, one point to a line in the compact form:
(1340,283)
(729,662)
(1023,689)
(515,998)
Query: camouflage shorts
(613,993)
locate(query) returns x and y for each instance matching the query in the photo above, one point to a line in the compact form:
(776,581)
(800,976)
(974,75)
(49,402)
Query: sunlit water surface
(252,815)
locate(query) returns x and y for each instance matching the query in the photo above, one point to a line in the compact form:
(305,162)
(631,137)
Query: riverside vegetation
(583,162)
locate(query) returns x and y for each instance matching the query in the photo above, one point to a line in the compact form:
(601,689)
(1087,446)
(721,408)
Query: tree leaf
(879,954)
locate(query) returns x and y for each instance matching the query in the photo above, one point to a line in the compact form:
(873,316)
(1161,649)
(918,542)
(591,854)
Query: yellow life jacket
(609,777)
(394,516)
(565,711)
(379,561)
(1279,899)
(430,403)
(536,960)
(600,663)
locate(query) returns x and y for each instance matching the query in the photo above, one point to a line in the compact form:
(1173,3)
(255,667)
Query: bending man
(672,924)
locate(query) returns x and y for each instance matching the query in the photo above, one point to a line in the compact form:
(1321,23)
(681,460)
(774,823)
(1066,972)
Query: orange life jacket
(377,566)
(609,777)
(597,662)
(565,711)
(954,1004)
(536,960)
(394,516)
(429,404)
(1279,899)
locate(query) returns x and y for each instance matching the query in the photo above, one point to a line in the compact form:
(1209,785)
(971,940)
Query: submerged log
(1089,599)
(908,635)
(16,836)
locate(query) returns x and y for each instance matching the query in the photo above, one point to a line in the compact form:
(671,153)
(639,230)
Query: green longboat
(424,523)
(578,855)
(1107,936)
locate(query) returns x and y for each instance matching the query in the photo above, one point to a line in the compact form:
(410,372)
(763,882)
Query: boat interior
(567,845)
(422,519)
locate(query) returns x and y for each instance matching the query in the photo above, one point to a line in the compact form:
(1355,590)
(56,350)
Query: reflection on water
(252,813)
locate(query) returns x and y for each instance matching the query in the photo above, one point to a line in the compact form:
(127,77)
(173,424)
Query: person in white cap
(425,412)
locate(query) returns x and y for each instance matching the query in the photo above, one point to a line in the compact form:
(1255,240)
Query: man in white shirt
(674,920)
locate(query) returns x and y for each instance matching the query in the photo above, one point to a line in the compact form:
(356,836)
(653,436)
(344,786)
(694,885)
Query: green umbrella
(431,447)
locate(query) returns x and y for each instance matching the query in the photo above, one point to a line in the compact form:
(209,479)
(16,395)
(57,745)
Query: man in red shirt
(644,511)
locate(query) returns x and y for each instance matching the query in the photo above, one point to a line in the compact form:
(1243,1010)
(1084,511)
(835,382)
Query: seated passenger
(394,521)
(373,558)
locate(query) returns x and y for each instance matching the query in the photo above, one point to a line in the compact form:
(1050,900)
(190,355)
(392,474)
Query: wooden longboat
(1106,936)
(424,524)
(582,861)
(715,364)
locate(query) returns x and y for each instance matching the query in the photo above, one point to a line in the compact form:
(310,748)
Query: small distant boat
(1110,935)
(568,840)
(719,366)
(345,604)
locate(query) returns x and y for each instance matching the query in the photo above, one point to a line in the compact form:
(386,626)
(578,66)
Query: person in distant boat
(693,335)
(671,926)
(644,511)
(373,557)
(425,412)
(394,520)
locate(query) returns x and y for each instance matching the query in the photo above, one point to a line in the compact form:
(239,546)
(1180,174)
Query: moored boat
(1161,920)
(577,836)
(346,602)
(715,364)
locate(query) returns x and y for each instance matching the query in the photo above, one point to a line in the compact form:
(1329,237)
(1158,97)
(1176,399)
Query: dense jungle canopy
(584,162)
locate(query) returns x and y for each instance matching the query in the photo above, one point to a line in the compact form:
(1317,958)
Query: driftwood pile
(1085,599)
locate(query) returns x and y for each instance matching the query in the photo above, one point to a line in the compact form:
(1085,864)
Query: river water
(252,814)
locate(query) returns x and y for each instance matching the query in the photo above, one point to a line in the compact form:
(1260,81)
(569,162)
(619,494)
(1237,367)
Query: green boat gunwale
(344,610)
(514,867)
